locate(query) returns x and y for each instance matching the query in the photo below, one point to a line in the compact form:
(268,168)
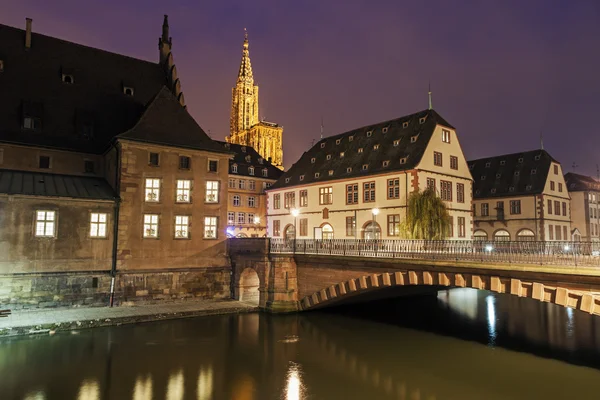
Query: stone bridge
(285,279)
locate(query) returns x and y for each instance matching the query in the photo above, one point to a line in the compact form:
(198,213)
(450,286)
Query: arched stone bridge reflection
(290,278)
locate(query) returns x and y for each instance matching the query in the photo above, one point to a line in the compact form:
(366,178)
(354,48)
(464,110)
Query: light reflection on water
(89,390)
(143,388)
(175,386)
(294,389)
(491,318)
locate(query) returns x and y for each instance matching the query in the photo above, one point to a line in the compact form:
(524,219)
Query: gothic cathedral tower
(244,125)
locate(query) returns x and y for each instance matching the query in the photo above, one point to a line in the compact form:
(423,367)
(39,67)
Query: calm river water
(460,344)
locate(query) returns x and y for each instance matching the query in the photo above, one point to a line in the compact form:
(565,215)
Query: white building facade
(585,206)
(356,185)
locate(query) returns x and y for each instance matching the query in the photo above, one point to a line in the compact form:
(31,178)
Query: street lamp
(375,212)
(295,213)
(257,220)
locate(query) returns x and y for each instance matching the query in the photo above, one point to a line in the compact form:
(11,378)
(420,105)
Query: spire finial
(430,102)
(321,127)
(165,29)
(541,140)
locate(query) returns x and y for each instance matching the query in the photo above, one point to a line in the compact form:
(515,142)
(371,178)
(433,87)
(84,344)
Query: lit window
(182,227)
(251,201)
(183,191)
(265,172)
(325,195)
(98,223)
(342,154)
(445,136)
(236,200)
(250,170)
(150,225)
(230,218)
(45,223)
(210,227)
(376,147)
(330,172)
(360,149)
(212,191)
(152,190)
(396,143)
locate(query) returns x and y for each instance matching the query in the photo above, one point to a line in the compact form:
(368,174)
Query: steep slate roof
(54,185)
(35,75)
(166,122)
(580,183)
(366,138)
(246,156)
(510,174)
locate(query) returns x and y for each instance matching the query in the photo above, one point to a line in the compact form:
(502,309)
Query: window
(342,154)
(552,185)
(352,193)
(445,136)
(403,160)
(241,218)
(325,195)
(152,190)
(437,158)
(368,192)
(386,163)
(376,147)
(242,184)
(422,120)
(520,160)
(277,201)
(184,162)
(550,207)
(231,218)
(213,166)
(338,141)
(349,169)
(560,187)
(515,206)
(252,219)
(393,188)
(304,198)
(350,138)
(369,133)
(243,148)
(210,227)
(384,130)
(303,226)
(44,162)
(88,166)
(1,66)
(396,143)
(485,209)
(555,169)
(350,226)
(251,201)
(323,145)
(250,170)
(405,125)
(558,232)
(128,91)
(45,222)
(328,156)
(413,139)
(234,168)
(431,184)
(252,185)
(564,209)
(488,164)
(236,200)
(288,179)
(360,149)
(446,190)
(556,207)
(276,227)
(502,162)
(182,194)
(265,172)
(330,172)
(98,223)
(550,232)
(461,227)
(453,162)
(565,237)
(153,159)
(460,192)
(232,184)
(312,160)
(365,167)
(451,227)
(182,227)
(212,191)
(150,225)
(289,200)
(393,225)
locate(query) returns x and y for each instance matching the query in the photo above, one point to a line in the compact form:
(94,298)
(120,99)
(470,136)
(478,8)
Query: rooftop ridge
(513,154)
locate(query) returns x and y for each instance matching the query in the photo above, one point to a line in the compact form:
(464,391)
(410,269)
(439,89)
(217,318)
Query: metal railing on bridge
(519,252)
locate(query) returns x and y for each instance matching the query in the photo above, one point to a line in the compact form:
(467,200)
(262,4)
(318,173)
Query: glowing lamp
(375,211)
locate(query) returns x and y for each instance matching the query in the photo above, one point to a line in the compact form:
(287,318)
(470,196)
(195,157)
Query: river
(458,344)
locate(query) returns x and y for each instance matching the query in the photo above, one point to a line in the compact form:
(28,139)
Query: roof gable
(393,145)
(579,183)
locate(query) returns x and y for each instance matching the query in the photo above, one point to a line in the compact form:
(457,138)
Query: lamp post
(295,213)
(375,212)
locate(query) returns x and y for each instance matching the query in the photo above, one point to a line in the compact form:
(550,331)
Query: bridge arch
(582,300)
(248,285)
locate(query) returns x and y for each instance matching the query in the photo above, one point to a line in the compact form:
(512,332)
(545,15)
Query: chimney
(28,33)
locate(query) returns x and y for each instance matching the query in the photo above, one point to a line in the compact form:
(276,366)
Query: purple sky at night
(501,71)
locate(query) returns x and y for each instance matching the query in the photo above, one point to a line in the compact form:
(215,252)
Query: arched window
(327,231)
(502,235)
(525,235)
(480,235)
(289,233)
(371,231)
(242,235)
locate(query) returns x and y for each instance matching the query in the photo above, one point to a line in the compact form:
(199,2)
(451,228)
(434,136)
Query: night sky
(501,72)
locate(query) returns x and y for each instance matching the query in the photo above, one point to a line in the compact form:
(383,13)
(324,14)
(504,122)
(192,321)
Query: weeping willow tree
(427,217)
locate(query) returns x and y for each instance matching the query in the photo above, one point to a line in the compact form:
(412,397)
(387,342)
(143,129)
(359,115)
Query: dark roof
(510,174)
(404,156)
(54,185)
(166,122)
(32,82)
(580,183)
(245,157)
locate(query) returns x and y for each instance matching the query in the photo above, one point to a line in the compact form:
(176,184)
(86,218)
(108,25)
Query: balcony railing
(503,252)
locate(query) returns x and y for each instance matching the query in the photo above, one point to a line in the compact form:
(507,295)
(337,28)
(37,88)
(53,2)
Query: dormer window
(537,158)
(517,173)
(329,156)
(260,160)
(128,91)
(445,136)
(403,160)
(248,159)
(338,141)
(68,79)
(312,160)
(498,176)
(227,145)
(265,172)
(502,162)
(350,138)
(533,171)
(243,149)
(384,130)
(471,166)
(396,143)
(317,174)
(1,66)
(349,169)
(323,145)
(413,139)
(287,180)
(301,177)
(493,190)
(250,170)
(342,154)
(376,147)
(405,125)
(369,133)
(234,168)
(422,120)
(520,159)
(488,164)
(386,163)
(32,123)
(511,189)
(483,177)
(478,191)
(330,172)
(528,187)
(365,167)
(360,149)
